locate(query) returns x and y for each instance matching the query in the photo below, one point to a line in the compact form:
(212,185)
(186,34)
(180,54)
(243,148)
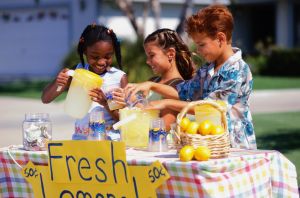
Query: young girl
(98,44)
(225,77)
(170,59)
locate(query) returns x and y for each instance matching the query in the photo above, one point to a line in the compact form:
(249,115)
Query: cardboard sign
(91,169)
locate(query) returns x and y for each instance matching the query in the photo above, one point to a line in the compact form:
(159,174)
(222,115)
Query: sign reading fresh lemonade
(92,169)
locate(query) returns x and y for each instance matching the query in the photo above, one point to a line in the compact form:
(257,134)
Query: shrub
(257,63)
(279,62)
(134,61)
(283,62)
(71,59)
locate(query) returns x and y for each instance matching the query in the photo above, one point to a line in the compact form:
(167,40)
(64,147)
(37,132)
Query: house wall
(36,37)
(35,48)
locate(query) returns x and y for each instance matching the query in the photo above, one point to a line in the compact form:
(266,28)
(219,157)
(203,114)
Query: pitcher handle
(69,73)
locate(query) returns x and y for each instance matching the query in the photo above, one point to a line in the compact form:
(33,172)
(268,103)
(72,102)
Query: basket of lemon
(209,130)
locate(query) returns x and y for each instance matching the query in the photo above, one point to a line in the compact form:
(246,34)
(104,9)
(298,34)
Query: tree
(127,8)
(185,12)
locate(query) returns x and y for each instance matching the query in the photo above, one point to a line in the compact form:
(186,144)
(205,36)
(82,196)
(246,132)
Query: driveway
(13,111)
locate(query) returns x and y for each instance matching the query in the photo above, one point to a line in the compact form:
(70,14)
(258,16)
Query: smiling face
(207,48)
(157,58)
(100,56)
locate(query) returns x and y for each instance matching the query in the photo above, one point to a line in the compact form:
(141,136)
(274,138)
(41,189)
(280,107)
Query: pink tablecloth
(244,173)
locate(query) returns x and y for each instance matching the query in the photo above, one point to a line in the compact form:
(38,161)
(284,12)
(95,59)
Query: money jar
(37,131)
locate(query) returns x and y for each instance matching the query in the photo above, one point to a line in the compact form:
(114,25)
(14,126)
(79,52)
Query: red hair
(211,20)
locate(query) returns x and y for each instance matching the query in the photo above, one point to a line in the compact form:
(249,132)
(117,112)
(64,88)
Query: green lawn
(265,82)
(25,89)
(280,131)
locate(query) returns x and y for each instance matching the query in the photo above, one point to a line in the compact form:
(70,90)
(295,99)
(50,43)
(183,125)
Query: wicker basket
(219,145)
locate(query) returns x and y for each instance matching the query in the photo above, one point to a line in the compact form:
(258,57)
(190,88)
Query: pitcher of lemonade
(78,101)
(136,133)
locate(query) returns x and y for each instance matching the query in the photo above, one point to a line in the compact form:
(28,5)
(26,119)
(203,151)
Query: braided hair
(166,39)
(94,33)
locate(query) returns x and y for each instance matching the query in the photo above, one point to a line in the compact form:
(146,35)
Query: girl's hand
(119,96)
(62,79)
(98,96)
(132,88)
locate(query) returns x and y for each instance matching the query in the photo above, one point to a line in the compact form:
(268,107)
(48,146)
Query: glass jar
(37,131)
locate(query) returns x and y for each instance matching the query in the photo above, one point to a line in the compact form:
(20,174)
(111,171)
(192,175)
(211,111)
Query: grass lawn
(265,82)
(280,131)
(26,89)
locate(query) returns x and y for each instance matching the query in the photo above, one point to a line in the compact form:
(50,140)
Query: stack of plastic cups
(158,136)
(97,126)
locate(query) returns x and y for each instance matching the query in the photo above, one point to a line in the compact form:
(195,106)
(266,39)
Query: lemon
(186,153)
(205,127)
(184,123)
(217,130)
(202,153)
(192,128)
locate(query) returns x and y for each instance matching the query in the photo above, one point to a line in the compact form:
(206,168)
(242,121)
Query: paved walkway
(14,109)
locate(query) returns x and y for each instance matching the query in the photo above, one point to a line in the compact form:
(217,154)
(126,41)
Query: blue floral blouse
(231,83)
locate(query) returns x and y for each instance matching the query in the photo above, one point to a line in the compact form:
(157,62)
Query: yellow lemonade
(208,112)
(136,133)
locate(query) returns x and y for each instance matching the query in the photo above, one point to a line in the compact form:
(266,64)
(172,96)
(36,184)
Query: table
(245,173)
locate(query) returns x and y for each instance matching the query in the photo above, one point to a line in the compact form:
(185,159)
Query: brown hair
(166,39)
(211,20)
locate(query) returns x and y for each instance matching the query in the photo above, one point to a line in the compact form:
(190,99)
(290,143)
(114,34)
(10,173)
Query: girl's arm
(51,91)
(165,90)
(171,104)
(124,81)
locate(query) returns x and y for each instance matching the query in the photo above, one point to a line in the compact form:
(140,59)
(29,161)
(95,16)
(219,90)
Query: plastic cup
(108,91)
(158,136)
(97,126)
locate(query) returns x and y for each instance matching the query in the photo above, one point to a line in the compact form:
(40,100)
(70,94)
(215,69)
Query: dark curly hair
(94,33)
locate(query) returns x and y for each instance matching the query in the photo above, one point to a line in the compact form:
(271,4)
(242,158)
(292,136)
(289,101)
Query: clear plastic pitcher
(78,101)
(208,112)
(136,132)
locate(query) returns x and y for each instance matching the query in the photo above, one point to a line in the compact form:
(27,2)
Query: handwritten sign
(91,169)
